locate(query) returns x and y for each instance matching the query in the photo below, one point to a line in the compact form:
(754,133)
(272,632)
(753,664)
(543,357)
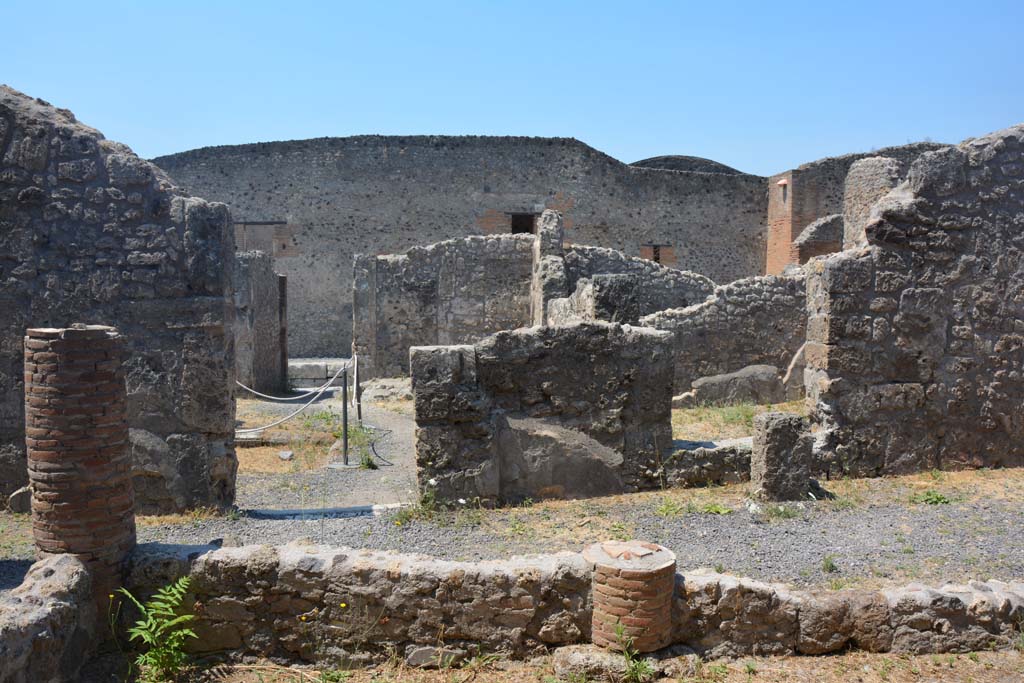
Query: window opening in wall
(659,253)
(523,223)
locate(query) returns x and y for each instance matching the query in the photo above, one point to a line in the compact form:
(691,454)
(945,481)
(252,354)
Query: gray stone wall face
(49,625)
(373,195)
(868,181)
(781,460)
(258,356)
(914,355)
(88,231)
(304,603)
(754,321)
(452,292)
(561,411)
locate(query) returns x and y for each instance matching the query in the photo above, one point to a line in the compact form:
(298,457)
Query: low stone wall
(868,181)
(543,412)
(258,319)
(755,321)
(334,606)
(49,624)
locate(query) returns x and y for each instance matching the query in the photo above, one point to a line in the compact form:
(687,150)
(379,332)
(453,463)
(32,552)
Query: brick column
(633,585)
(77,440)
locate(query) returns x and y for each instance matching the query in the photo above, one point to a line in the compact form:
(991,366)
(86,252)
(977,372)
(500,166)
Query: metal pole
(344,416)
(358,393)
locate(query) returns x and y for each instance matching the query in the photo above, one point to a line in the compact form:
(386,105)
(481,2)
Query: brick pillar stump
(781,459)
(633,585)
(77,441)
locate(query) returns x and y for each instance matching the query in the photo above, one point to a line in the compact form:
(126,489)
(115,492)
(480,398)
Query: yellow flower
(111,596)
(398,523)
(343,605)
(302,618)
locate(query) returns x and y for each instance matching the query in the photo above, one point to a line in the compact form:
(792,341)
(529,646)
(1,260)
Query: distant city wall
(336,197)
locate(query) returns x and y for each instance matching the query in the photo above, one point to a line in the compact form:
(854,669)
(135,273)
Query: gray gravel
(883,544)
(393,482)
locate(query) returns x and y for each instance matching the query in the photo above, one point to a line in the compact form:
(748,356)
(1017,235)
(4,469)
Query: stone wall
(88,231)
(543,412)
(379,195)
(49,625)
(915,355)
(755,321)
(823,236)
(608,285)
(801,196)
(868,181)
(337,606)
(258,354)
(452,292)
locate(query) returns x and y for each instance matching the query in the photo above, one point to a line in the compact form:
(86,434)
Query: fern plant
(163,630)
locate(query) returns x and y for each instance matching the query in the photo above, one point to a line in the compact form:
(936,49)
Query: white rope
(319,391)
(282,398)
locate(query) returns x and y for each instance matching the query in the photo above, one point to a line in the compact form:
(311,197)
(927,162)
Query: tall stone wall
(258,356)
(754,321)
(543,411)
(88,231)
(915,355)
(452,292)
(801,196)
(376,194)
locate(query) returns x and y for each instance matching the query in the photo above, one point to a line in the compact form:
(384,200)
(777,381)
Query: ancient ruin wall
(605,284)
(868,181)
(916,343)
(258,356)
(88,231)
(338,606)
(452,292)
(380,195)
(543,411)
(813,191)
(754,321)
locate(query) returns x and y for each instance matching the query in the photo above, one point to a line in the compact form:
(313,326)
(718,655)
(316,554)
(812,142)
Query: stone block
(781,459)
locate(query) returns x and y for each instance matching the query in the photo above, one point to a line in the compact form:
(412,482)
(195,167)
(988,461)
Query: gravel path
(873,545)
(336,488)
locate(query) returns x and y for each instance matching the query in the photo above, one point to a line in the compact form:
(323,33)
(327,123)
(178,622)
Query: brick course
(79,464)
(633,585)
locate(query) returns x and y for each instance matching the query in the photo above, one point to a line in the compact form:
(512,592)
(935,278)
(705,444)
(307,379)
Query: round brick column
(633,586)
(77,440)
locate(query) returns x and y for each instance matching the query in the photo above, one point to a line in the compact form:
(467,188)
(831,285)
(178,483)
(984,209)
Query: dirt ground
(851,667)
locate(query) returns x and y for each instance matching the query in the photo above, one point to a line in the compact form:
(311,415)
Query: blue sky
(760,86)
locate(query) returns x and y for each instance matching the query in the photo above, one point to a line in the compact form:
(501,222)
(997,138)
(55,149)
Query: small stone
(286,455)
(428,657)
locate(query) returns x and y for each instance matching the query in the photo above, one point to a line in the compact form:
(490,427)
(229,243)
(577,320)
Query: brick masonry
(78,458)
(633,585)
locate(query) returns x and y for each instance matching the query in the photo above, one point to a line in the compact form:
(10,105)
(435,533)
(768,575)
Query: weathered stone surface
(386,194)
(753,384)
(336,605)
(823,236)
(88,231)
(496,419)
(451,292)
(756,321)
(332,606)
(780,464)
(257,326)
(914,342)
(868,181)
(708,463)
(605,284)
(48,625)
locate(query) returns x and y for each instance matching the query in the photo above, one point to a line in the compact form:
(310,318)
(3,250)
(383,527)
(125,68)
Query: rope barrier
(293,398)
(319,392)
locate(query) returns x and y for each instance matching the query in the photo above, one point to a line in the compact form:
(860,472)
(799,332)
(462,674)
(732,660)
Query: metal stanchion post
(344,416)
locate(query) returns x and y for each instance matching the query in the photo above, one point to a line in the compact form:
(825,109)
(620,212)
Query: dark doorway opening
(523,223)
